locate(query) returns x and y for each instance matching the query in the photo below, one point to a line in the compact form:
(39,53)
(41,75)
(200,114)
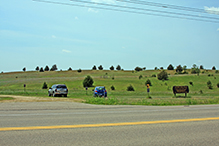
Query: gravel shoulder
(18,98)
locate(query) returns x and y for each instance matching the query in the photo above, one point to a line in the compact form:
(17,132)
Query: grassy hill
(160,91)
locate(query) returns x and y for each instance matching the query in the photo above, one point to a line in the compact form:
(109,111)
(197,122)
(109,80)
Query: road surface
(78,124)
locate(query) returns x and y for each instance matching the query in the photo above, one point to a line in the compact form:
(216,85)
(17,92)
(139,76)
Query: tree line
(179,69)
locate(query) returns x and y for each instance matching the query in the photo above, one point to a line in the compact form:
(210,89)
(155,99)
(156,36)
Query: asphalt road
(69,123)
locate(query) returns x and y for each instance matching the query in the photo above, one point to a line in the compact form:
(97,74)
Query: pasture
(160,91)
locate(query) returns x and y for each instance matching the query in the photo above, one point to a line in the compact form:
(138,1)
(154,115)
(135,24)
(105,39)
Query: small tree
(155,68)
(170,67)
(195,69)
(37,68)
(41,69)
(148,82)
(113,88)
(100,67)
(209,84)
(111,68)
(79,70)
(179,69)
(218,85)
(46,68)
(69,69)
(162,75)
(130,88)
(213,68)
(24,69)
(138,69)
(44,86)
(201,67)
(144,68)
(140,77)
(54,68)
(88,81)
(118,67)
(94,67)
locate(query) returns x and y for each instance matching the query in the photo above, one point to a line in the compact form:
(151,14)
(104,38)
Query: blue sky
(38,34)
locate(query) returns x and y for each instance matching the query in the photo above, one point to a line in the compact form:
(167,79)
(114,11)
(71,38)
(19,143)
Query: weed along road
(69,123)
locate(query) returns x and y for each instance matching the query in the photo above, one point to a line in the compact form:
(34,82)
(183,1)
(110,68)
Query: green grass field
(160,91)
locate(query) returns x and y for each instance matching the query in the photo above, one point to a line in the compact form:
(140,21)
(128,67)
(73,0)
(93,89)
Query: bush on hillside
(88,82)
(118,67)
(140,77)
(130,88)
(100,67)
(44,86)
(148,82)
(209,84)
(111,68)
(138,69)
(112,87)
(79,70)
(162,75)
(170,67)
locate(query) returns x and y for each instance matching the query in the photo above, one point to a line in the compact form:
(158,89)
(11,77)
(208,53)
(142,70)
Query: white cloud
(92,10)
(66,51)
(212,10)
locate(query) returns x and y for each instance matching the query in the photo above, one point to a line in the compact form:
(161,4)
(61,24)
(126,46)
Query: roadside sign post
(86,90)
(24,87)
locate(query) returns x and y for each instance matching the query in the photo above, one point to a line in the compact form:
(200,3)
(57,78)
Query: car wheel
(65,95)
(54,95)
(49,94)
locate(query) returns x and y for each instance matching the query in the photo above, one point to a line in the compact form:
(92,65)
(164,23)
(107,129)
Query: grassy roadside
(161,91)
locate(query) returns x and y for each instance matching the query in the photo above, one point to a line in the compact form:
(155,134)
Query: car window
(61,86)
(100,88)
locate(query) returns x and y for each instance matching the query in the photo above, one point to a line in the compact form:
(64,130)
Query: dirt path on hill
(18,98)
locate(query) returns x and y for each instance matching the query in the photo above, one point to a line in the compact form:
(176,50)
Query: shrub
(54,68)
(201,67)
(79,70)
(46,68)
(201,92)
(44,86)
(112,87)
(213,68)
(138,69)
(41,69)
(69,69)
(24,69)
(140,77)
(216,71)
(100,67)
(162,75)
(218,85)
(170,67)
(209,84)
(94,68)
(195,69)
(148,82)
(191,83)
(153,75)
(111,68)
(88,82)
(130,88)
(179,69)
(37,68)
(118,67)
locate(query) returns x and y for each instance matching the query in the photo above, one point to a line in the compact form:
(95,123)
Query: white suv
(58,89)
